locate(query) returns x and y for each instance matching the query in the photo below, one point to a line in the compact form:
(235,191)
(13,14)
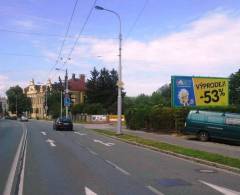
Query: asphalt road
(83,162)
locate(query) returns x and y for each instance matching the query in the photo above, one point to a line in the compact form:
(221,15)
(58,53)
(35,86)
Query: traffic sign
(67,101)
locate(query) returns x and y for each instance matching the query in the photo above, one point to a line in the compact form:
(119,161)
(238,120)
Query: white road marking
(154,190)
(223,190)
(108,144)
(20,191)
(43,132)
(91,151)
(51,142)
(117,167)
(80,133)
(9,184)
(89,192)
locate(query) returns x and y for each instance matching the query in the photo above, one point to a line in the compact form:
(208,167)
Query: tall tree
(102,88)
(54,100)
(234,88)
(165,92)
(18,101)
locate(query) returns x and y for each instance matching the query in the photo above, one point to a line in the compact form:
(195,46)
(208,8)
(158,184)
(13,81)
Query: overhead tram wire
(42,34)
(21,55)
(32,33)
(80,33)
(137,18)
(65,36)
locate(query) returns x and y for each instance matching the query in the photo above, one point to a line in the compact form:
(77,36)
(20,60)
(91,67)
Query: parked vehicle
(206,125)
(13,117)
(63,124)
(23,119)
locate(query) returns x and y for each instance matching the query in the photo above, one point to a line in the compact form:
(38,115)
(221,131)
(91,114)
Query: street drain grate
(172,182)
(206,171)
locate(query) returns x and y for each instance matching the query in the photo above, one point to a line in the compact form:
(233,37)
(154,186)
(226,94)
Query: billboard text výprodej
(199,91)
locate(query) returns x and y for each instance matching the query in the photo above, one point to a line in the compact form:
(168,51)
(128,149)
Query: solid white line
(223,190)
(80,133)
(20,192)
(8,187)
(154,190)
(118,168)
(89,192)
(43,132)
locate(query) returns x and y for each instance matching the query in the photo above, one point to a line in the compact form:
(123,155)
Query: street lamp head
(57,68)
(99,7)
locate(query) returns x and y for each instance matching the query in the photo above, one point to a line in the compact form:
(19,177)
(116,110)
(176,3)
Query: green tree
(54,101)
(102,89)
(165,93)
(17,100)
(234,88)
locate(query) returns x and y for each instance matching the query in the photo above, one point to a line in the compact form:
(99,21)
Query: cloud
(26,24)
(6,82)
(208,46)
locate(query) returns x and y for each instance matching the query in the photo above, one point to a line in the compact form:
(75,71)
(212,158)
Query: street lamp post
(120,83)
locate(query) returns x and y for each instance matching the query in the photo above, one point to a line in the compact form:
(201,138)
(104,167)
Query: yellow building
(37,94)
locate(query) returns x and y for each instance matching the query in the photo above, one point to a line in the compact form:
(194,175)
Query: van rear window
(233,121)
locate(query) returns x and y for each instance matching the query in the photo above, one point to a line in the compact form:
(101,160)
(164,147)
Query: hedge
(157,117)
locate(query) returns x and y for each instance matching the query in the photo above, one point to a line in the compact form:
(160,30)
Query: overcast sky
(160,38)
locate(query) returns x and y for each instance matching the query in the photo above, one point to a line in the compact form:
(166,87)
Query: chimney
(73,76)
(82,78)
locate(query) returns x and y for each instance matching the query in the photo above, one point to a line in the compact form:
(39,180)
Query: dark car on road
(63,124)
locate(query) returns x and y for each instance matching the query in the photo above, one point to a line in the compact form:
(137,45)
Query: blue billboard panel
(183,91)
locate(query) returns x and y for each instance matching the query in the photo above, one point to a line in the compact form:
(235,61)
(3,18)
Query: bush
(159,117)
(94,109)
(77,109)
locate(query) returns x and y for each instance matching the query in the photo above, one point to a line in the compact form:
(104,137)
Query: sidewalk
(219,148)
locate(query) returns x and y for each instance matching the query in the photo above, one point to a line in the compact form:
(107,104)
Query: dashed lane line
(221,189)
(80,133)
(51,142)
(89,192)
(154,190)
(108,144)
(43,132)
(118,168)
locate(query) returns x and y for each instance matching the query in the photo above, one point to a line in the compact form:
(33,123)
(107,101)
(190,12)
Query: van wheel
(203,136)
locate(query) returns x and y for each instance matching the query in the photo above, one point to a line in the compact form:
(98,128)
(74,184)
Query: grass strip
(212,157)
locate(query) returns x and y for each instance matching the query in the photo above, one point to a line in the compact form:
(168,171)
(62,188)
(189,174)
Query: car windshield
(116,97)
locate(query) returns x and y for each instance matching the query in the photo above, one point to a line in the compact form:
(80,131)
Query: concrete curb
(204,162)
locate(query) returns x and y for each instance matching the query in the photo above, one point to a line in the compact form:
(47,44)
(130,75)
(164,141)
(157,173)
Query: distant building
(4,104)
(77,88)
(37,93)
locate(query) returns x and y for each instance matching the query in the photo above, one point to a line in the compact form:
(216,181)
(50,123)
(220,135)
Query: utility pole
(16,106)
(46,102)
(66,92)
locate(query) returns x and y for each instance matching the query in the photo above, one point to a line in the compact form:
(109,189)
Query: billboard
(199,91)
